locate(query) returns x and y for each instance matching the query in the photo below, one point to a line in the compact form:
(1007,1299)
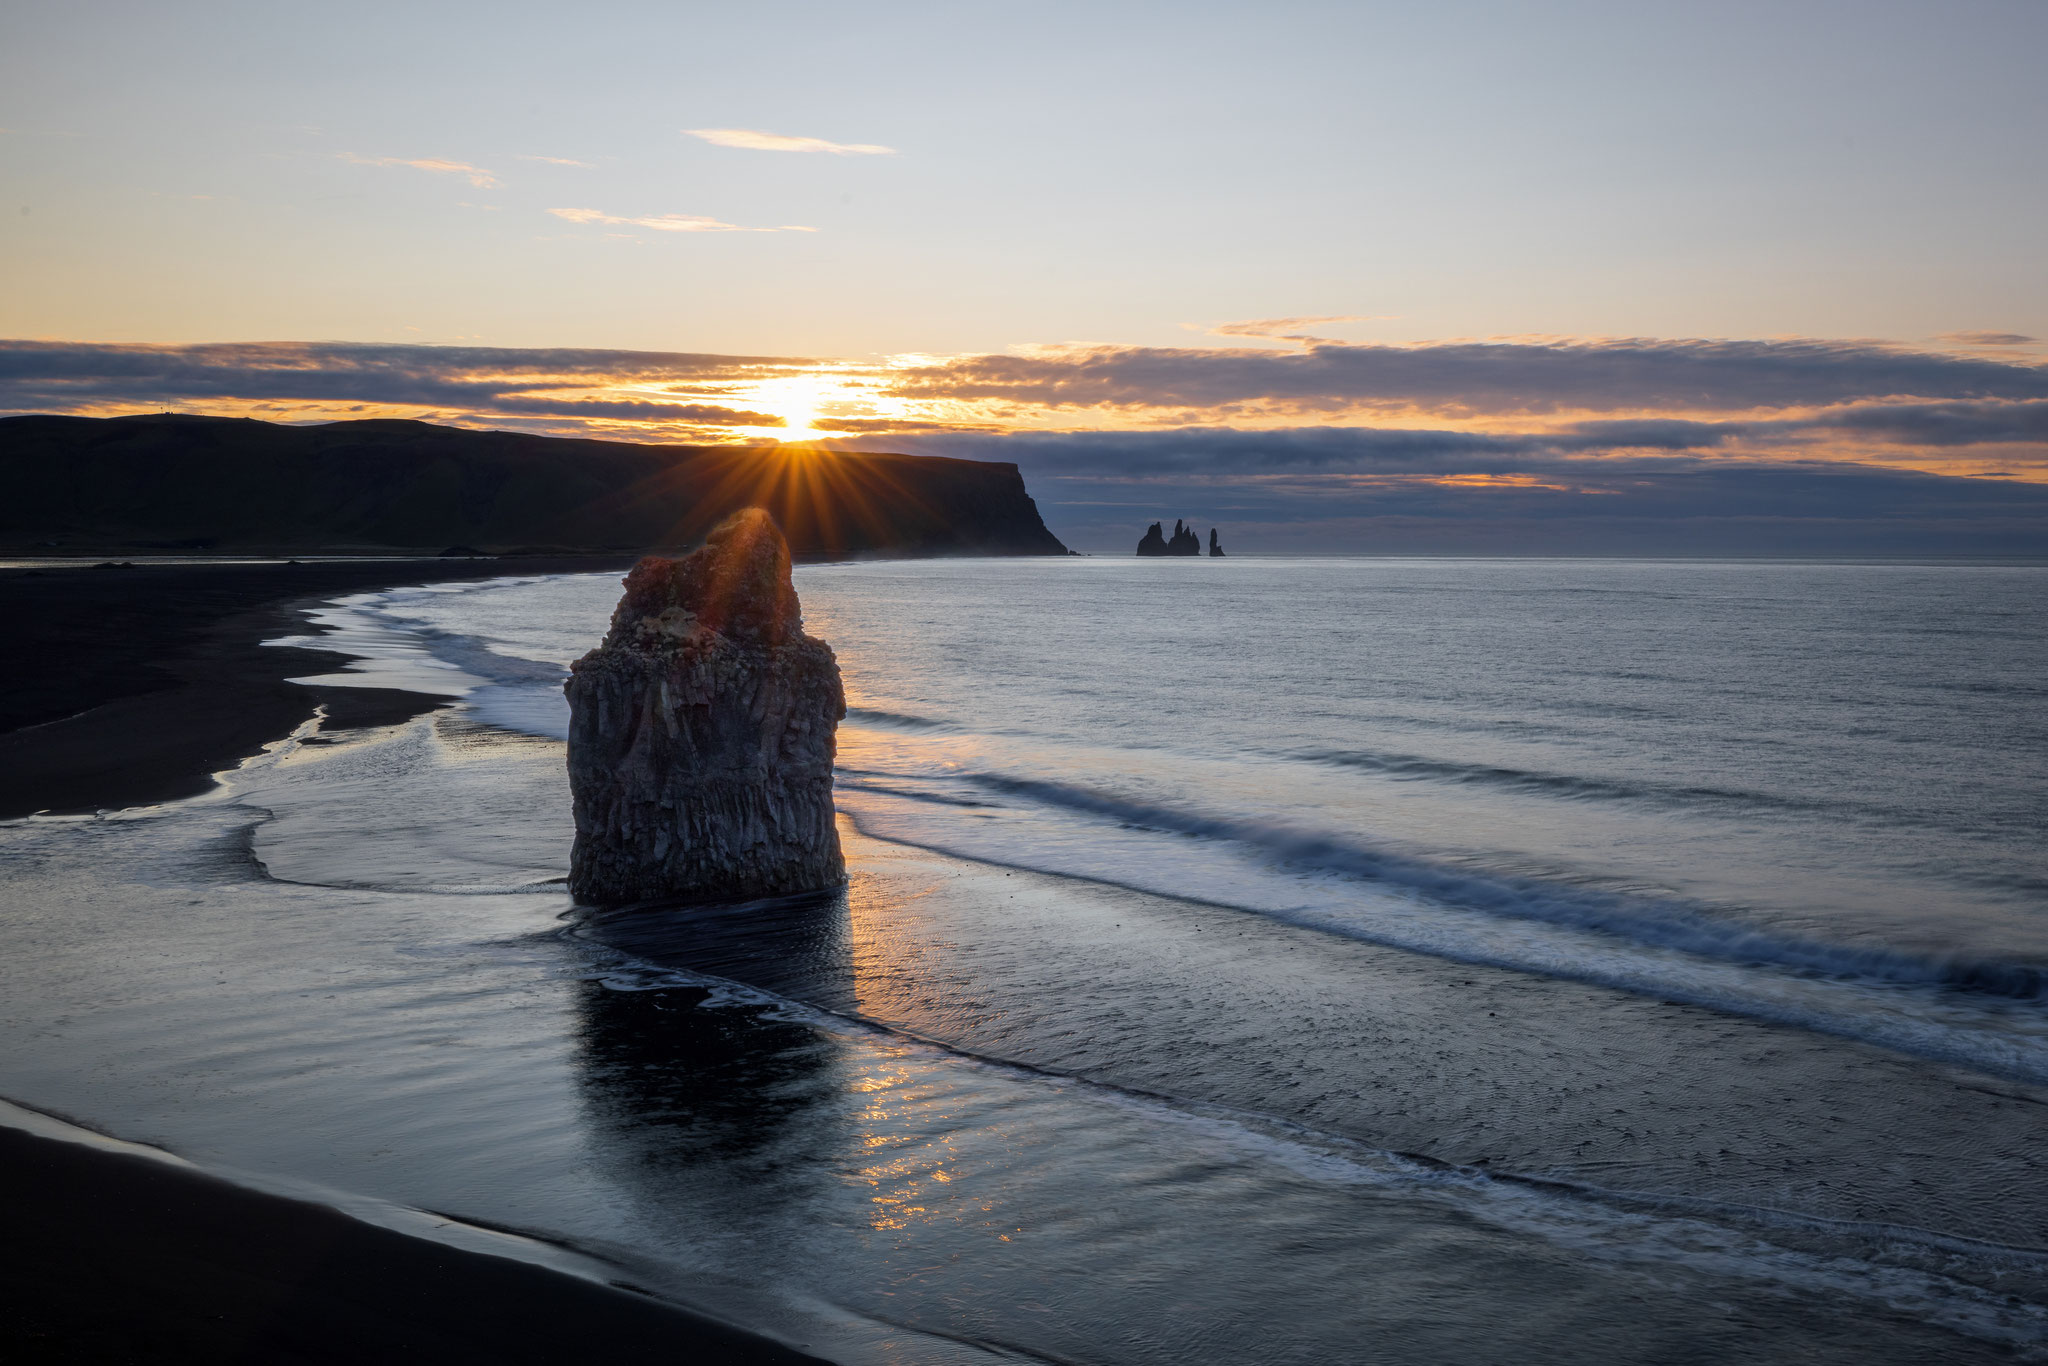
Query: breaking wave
(1664,924)
(1565,785)
(874,716)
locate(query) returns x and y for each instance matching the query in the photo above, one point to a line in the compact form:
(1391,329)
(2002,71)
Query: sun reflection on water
(904,1159)
(915,1168)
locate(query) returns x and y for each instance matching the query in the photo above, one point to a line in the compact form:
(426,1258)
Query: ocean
(1278,960)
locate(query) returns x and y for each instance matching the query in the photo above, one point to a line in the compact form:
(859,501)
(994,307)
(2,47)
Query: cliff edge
(166,483)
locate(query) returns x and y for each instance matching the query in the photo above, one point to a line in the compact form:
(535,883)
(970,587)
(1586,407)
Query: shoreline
(117,1257)
(158,680)
(141,682)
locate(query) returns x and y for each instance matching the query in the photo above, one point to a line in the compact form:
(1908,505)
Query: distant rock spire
(1184,542)
(1215,546)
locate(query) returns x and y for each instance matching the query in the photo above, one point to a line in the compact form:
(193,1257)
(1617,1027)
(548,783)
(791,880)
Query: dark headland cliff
(171,484)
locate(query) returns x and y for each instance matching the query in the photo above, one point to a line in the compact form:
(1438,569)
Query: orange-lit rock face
(738,584)
(702,732)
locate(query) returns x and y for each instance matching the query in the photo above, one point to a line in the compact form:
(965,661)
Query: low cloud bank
(1484,378)
(1607,447)
(1223,451)
(559,387)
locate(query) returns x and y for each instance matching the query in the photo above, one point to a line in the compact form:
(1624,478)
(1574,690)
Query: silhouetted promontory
(1184,542)
(167,483)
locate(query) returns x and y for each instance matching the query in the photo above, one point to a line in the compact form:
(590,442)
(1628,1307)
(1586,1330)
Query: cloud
(754,140)
(478,176)
(1285,329)
(893,426)
(1804,480)
(1470,379)
(1987,338)
(667,222)
(1954,424)
(642,394)
(696,414)
(58,377)
(555,161)
(1447,492)
(1223,452)
(1942,424)
(1572,449)
(1650,433)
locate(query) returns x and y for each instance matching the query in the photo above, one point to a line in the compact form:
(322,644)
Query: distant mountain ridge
(169,483)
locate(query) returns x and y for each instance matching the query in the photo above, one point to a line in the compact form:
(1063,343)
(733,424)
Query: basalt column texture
(701,733)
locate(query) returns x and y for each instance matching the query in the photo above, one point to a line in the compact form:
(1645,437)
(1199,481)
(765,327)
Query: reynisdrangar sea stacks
(1184,542)
(702,732)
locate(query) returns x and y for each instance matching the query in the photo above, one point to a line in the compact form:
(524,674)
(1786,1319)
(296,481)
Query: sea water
(1278,960)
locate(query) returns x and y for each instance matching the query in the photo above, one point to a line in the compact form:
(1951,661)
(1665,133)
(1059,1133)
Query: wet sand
(116,1259)
(132,685)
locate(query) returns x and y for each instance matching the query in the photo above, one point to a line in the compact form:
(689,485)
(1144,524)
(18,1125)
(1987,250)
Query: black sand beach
(116,1259)
(135,683)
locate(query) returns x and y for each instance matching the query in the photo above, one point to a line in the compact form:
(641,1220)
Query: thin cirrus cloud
(477,175)
(555,161)
(1987,338)
(667,222)
(754,140)
(1286,329)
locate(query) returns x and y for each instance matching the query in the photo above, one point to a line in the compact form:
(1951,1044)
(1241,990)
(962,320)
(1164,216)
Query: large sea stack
(701,733)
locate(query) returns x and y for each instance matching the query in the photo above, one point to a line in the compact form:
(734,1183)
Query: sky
(1478,277)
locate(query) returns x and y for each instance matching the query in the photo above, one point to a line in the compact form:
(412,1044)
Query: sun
(798,400)
(799,411)
(827,402)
